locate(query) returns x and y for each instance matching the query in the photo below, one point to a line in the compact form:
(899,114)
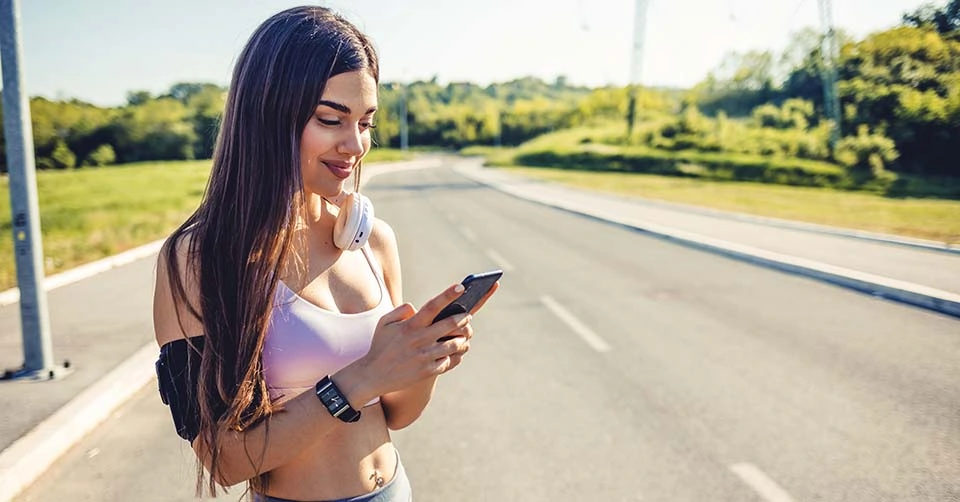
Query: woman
(285,359)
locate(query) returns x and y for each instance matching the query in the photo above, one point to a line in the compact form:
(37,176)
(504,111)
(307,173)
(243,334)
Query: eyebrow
(342,108)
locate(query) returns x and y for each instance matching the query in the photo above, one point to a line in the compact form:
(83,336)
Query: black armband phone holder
(178,368)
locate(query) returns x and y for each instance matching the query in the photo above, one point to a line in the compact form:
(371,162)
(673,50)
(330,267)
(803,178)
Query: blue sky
(98,50)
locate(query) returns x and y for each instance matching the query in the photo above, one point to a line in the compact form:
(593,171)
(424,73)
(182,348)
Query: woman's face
(337,136)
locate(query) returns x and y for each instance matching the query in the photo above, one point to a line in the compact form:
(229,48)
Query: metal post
(830,53)
(28,248)
(404,143)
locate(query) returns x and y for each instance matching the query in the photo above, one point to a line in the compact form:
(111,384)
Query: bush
(867,154)
(718,166)
(103,155)
(62,157)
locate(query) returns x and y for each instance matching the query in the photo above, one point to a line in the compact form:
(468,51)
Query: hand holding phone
(475,287)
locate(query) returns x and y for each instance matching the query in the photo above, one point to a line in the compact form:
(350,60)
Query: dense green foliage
(182,123)
(462,114)
(179,125)
(899,92)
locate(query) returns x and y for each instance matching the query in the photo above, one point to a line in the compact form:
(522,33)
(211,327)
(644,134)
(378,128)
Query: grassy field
(87,214)
(932,219)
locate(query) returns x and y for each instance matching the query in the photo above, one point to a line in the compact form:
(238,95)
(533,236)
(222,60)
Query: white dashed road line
(592,339)
(760,482)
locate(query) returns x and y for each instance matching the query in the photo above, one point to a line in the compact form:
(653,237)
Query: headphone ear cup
(354,223)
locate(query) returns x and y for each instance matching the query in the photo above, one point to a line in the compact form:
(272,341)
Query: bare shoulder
(176,294)
(382,237)
(383,242)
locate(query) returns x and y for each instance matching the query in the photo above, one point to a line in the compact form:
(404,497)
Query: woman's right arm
(405,351)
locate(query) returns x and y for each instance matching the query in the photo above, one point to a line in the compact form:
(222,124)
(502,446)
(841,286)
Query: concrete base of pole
(41,375)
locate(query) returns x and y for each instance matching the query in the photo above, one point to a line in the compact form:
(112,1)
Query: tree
(158,129)
(138,98)
(206,101)
(905,83)
(740,83)
(945,20)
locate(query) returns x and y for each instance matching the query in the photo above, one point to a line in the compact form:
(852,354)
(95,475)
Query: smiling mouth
(339,170)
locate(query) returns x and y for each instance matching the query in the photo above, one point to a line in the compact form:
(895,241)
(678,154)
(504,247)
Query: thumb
(401,313)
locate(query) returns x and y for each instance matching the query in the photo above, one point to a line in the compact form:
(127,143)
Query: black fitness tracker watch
(335,402)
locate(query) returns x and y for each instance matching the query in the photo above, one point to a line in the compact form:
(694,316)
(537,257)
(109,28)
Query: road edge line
(27,458)
(937,300)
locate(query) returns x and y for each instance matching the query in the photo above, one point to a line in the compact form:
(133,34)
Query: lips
(339,169)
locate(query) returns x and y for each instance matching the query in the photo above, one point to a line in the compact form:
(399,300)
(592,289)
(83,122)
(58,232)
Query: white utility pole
(636,60)
(830,52)
(27,244)
(639,40)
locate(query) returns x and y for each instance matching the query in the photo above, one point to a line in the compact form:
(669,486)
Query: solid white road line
(26,459)
(760,482)
(503,264)
(592,339)
(88,270)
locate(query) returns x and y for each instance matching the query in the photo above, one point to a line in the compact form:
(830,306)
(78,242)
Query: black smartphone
(475,286)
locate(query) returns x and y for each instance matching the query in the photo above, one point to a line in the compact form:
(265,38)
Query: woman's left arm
(402,407)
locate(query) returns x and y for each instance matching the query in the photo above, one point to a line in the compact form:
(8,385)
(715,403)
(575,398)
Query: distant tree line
(182,123)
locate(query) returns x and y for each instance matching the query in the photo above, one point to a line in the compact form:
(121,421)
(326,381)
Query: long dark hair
(241,234)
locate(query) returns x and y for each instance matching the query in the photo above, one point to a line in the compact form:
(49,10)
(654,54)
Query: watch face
(331,398)
(335,402)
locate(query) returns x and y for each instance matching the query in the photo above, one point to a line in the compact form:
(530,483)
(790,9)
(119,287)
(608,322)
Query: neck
(319,210)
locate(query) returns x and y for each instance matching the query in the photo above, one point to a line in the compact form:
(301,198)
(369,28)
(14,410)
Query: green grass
(87,214)
(378,154)
(932,219)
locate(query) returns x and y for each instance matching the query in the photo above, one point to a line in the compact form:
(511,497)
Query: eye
(368,125)
(328,122)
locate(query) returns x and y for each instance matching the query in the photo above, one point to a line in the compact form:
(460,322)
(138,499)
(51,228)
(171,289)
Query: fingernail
(458,288)
(459,317)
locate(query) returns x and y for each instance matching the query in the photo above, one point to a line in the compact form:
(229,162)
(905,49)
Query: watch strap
(334,401)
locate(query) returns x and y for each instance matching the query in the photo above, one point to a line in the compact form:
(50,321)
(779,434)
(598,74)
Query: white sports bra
(304,342)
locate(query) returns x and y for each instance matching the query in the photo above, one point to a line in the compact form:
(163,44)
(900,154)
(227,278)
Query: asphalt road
(617,366)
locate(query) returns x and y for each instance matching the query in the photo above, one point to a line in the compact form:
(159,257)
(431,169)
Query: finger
(465,332)
(442,365)
(448,328)
(398,314)
(434,305)
(454,345)
(457,357)
(455,361)
(486,297)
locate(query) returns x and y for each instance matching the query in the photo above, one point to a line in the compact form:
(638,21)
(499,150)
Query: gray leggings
(397,490)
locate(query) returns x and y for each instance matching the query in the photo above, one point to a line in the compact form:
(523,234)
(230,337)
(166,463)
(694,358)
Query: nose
(352,142)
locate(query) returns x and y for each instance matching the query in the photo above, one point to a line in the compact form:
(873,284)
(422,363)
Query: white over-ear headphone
(354,223)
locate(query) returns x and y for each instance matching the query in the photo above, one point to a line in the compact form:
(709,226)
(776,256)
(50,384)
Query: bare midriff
(353,459)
